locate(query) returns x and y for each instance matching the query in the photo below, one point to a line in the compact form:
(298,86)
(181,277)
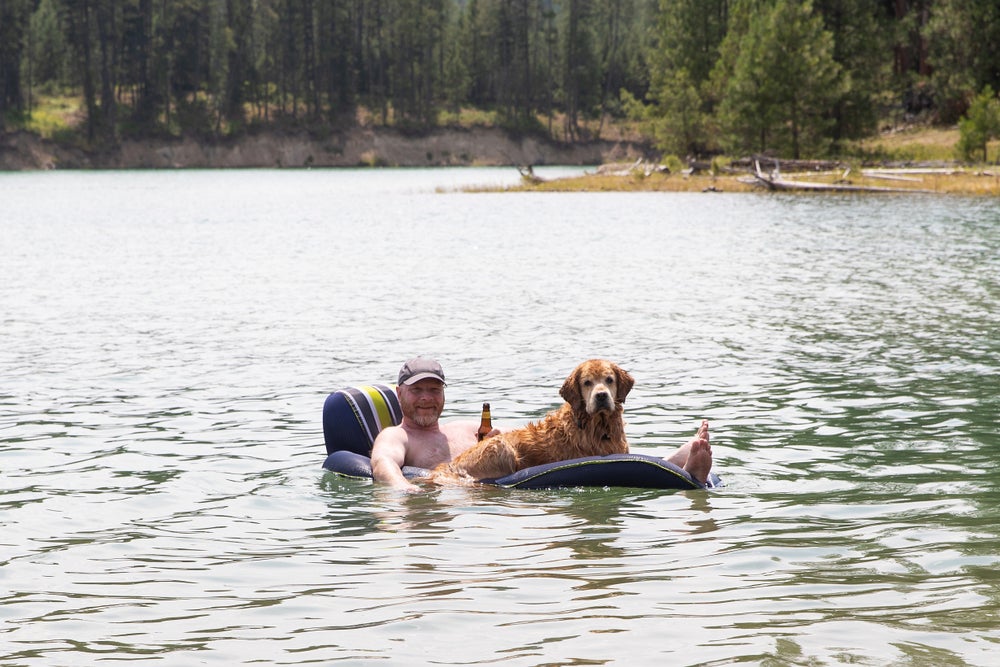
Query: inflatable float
(353,416)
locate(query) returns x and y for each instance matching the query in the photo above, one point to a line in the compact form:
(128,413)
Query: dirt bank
(357,147)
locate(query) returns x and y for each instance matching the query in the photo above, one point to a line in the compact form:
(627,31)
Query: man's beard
(425,420)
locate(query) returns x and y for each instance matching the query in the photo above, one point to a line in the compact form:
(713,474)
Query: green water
(167,340)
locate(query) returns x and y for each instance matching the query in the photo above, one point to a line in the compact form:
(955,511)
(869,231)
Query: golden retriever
(588,424)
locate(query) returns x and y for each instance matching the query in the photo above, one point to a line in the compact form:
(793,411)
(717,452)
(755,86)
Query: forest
(791,78)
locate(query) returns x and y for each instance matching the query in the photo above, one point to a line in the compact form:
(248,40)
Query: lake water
(167,340)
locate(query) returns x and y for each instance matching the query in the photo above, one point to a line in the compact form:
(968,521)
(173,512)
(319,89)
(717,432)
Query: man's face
(422,402)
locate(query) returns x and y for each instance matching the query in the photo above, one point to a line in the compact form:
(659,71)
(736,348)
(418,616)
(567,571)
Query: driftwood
(890,176)
(640,166)
(940,171)
(528,174)
(774,181)
(619,168)
(792,165)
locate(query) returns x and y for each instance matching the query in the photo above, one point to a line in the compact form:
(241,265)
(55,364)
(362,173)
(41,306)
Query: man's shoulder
(391,433)
(460,426)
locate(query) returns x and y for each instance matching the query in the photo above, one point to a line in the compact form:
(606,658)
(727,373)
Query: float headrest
(353,416)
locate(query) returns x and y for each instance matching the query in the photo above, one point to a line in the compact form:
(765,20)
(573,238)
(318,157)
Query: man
(421,441)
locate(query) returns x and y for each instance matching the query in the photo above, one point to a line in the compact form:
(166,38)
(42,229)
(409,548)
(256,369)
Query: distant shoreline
(357,147)
(620,166)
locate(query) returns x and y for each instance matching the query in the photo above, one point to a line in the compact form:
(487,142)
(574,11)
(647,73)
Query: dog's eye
(588,383)
(609,380)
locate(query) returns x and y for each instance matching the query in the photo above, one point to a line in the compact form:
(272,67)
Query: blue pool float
(353,416)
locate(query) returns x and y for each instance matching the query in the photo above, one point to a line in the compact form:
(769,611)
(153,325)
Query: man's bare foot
(702,433)
(699,463)
(695,456)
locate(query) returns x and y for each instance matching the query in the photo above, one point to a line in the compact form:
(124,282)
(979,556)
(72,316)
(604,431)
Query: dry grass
(966,182)
(637,182)
(915,144)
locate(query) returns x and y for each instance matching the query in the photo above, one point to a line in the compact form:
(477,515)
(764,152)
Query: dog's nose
(603,399)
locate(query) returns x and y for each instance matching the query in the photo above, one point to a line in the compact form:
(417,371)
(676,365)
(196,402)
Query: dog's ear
(624,383)
(571,392)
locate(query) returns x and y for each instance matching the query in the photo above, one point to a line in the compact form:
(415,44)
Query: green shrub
(674,164)
(979,125)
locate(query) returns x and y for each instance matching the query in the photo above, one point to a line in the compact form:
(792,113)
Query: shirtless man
(422,441)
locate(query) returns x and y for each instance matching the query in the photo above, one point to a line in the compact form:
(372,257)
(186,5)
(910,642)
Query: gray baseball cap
(420,368)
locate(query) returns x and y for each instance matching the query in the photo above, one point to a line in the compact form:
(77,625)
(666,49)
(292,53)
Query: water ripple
(165,367)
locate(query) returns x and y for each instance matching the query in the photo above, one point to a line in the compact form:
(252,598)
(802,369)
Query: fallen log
(775,182)
(528,175)
(790,165)
(890,176)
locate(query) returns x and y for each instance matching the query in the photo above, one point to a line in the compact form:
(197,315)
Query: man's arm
(389,457)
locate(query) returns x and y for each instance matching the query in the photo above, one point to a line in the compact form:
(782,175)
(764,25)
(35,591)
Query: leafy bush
(980,124)
(674,164)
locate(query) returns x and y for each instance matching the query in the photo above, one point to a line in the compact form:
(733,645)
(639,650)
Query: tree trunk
(105,32)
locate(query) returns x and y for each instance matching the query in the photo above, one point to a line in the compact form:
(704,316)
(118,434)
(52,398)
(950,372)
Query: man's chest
(429,453)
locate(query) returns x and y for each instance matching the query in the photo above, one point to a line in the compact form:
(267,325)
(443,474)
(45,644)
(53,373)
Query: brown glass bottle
(485,424)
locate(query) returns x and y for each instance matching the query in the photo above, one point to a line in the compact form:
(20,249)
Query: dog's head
(596,386)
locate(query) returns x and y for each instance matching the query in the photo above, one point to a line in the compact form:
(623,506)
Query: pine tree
(14,16)
(784,84)
(863,47)
(962,38)
(689,33)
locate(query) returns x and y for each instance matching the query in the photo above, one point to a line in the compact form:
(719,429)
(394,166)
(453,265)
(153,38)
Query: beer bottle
(485,424)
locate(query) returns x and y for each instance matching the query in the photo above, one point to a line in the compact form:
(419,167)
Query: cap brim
(423,376)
